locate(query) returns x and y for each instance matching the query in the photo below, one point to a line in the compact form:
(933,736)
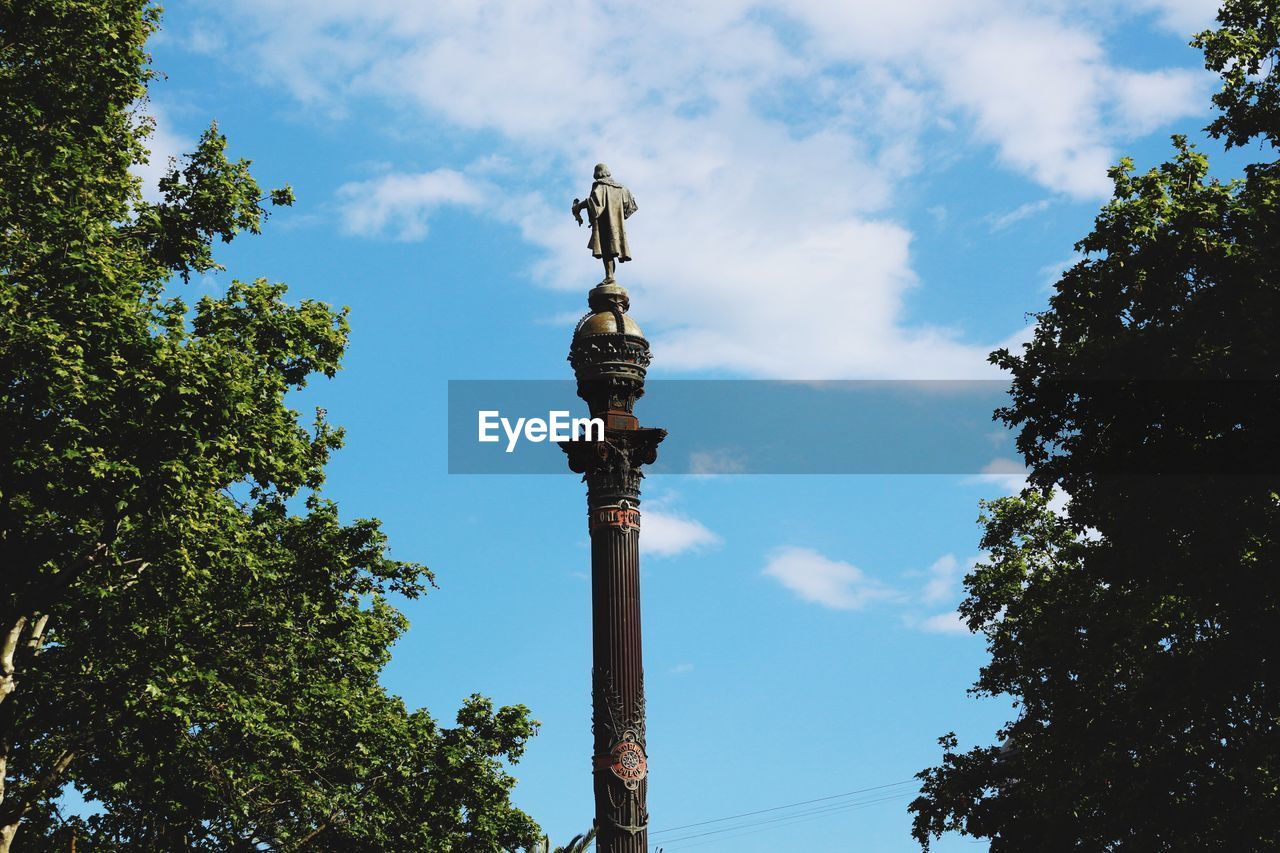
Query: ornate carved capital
(612,467)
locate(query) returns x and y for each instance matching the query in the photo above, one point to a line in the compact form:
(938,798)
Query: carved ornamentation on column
(609,357)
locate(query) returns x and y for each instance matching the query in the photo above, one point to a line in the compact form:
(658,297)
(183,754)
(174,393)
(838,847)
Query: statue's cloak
(607,206)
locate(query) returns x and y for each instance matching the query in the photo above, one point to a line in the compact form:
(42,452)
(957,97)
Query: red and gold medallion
(628,762)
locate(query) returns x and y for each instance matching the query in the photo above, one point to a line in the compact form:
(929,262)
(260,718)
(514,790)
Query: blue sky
(827,190)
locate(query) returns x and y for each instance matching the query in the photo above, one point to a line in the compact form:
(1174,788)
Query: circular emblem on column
(628,762)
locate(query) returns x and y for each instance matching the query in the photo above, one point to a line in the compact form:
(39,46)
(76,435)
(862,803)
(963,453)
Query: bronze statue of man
(607,205)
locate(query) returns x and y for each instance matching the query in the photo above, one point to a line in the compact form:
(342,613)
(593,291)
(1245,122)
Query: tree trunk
(9,816)
(21,643)
(7,832)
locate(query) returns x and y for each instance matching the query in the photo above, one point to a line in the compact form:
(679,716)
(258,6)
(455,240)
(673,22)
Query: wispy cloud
(669,534)
(943,623)
(1008,475)
(941,586)
(767,160)
(166,145)
(821,580)
(840,585)
(942,577)
(1182,17)
(711,463)
(1019,213)
(1147,99)
(1051,274)
(400,205)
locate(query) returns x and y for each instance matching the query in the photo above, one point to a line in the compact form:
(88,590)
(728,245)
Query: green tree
(580,843)
(1136,634)
(189,634)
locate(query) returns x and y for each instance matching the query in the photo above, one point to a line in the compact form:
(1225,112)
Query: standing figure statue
(607,205)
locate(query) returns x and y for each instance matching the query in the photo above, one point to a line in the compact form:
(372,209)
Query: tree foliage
(1136,632)
(580,843)
(189,634)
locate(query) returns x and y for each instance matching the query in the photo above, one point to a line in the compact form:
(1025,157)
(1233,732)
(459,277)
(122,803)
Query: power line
(788,806)
(801,816)
(775,823)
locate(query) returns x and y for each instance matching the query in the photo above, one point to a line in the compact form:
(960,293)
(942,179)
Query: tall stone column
(609,357)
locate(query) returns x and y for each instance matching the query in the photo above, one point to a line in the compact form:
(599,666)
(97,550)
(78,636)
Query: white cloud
(1051,274)
(838,585)
(668,534)
(1032,87)
(206,40)
(401,204)
(1033,80)
(1009,475)
(682,668)
(766,163)
(941,585)
(712,463)
(941,582)
(1146,100)
(1182,17)
(1019,213)
(943,623)
(821,580)
(165,145)
(1010,478)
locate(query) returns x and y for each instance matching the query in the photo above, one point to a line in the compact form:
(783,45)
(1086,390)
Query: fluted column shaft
(617,680)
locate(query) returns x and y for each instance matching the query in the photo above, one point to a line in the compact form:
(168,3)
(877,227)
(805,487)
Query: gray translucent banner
(749,426)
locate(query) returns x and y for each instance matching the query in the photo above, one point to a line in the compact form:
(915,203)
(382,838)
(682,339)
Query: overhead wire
(740,830)
(780,808)
(795,818)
